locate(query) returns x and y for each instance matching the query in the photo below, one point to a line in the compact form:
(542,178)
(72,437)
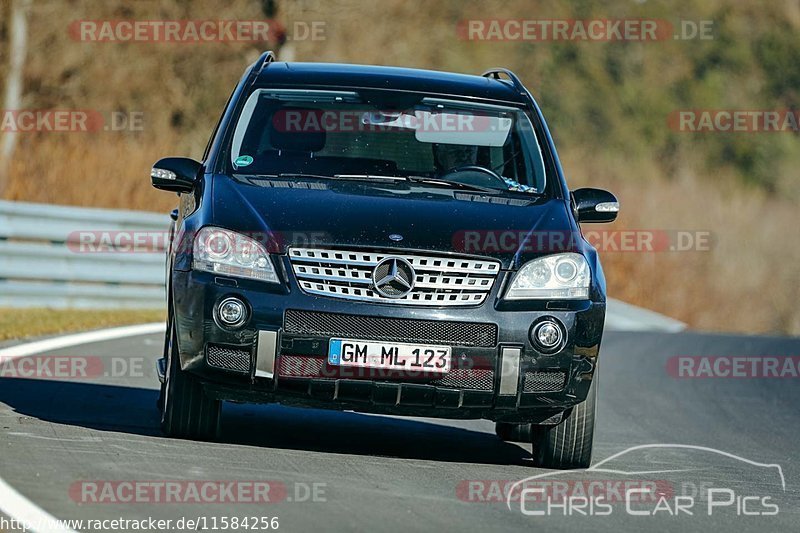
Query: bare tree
(13,91)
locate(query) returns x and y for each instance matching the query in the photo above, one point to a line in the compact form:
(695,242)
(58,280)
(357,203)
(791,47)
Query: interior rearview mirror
(595,205)
(176,174)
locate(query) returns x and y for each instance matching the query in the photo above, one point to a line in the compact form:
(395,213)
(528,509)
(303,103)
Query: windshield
(345,135)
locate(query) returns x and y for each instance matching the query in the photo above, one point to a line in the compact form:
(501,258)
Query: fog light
(547,336)
(231,312)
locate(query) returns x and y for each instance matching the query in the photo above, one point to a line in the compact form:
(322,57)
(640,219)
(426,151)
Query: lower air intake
(467,378)
(545,381)
(322,324)
(233,358)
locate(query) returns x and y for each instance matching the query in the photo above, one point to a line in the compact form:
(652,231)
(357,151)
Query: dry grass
(22,323)
(749,282)
(104,170)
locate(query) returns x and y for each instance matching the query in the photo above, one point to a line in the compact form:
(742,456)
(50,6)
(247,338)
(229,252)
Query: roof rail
(495,73)
(265,59)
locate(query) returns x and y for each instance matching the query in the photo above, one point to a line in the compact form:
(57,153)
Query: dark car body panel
(352,213)
(362,214)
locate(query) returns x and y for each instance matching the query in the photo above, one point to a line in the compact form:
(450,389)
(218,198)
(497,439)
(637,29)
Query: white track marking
(12,503)
(57,343)
(24,511)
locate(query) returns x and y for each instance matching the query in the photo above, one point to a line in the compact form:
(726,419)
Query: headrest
(297,129)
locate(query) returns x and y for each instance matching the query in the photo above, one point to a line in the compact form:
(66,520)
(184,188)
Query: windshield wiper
(448,183)
(302,175)
(416,179)
(366,177)
(371,177)
(284,175)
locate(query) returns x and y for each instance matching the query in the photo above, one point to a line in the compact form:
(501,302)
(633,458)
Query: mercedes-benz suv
(384,240)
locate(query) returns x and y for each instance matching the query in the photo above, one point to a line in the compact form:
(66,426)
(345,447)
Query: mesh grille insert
(390,329)
(466,378)
(228,357)
(545,381)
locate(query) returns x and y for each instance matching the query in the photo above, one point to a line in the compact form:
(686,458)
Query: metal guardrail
(47,261)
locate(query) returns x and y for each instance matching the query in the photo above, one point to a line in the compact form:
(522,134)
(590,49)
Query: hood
(391,215)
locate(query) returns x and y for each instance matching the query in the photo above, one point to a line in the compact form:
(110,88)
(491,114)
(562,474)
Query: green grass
(22,323)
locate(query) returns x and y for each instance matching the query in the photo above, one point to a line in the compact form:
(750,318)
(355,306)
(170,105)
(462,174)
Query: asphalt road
(390,474)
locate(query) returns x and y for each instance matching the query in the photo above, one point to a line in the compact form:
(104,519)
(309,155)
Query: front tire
(187,412)
(569,444)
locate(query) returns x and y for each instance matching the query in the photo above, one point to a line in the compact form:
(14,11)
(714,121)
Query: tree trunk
(18,22)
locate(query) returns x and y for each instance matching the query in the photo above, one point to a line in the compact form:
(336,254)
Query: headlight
(225,252)
(559,276)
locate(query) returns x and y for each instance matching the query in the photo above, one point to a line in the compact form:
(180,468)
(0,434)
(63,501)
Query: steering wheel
(480,169)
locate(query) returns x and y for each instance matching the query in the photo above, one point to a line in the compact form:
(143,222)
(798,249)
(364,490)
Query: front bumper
(280,355)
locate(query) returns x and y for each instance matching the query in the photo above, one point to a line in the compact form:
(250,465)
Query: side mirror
(595,205)
(176,174)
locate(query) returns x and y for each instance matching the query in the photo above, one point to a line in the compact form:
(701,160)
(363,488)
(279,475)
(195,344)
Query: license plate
(391,356)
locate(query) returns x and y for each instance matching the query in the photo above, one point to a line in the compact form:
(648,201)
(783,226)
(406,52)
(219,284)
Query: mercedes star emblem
(393,277)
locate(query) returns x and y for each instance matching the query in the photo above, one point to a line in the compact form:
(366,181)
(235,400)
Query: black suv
(384,240)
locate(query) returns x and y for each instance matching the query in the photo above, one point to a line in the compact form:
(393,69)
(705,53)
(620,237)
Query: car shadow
(133,410)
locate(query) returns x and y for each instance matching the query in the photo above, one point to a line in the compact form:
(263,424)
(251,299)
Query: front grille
(544,381)
(320,324)
(467,378)
(437,280)
(228,357)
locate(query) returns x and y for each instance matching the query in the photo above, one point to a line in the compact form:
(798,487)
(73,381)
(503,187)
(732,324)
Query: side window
(216,128)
